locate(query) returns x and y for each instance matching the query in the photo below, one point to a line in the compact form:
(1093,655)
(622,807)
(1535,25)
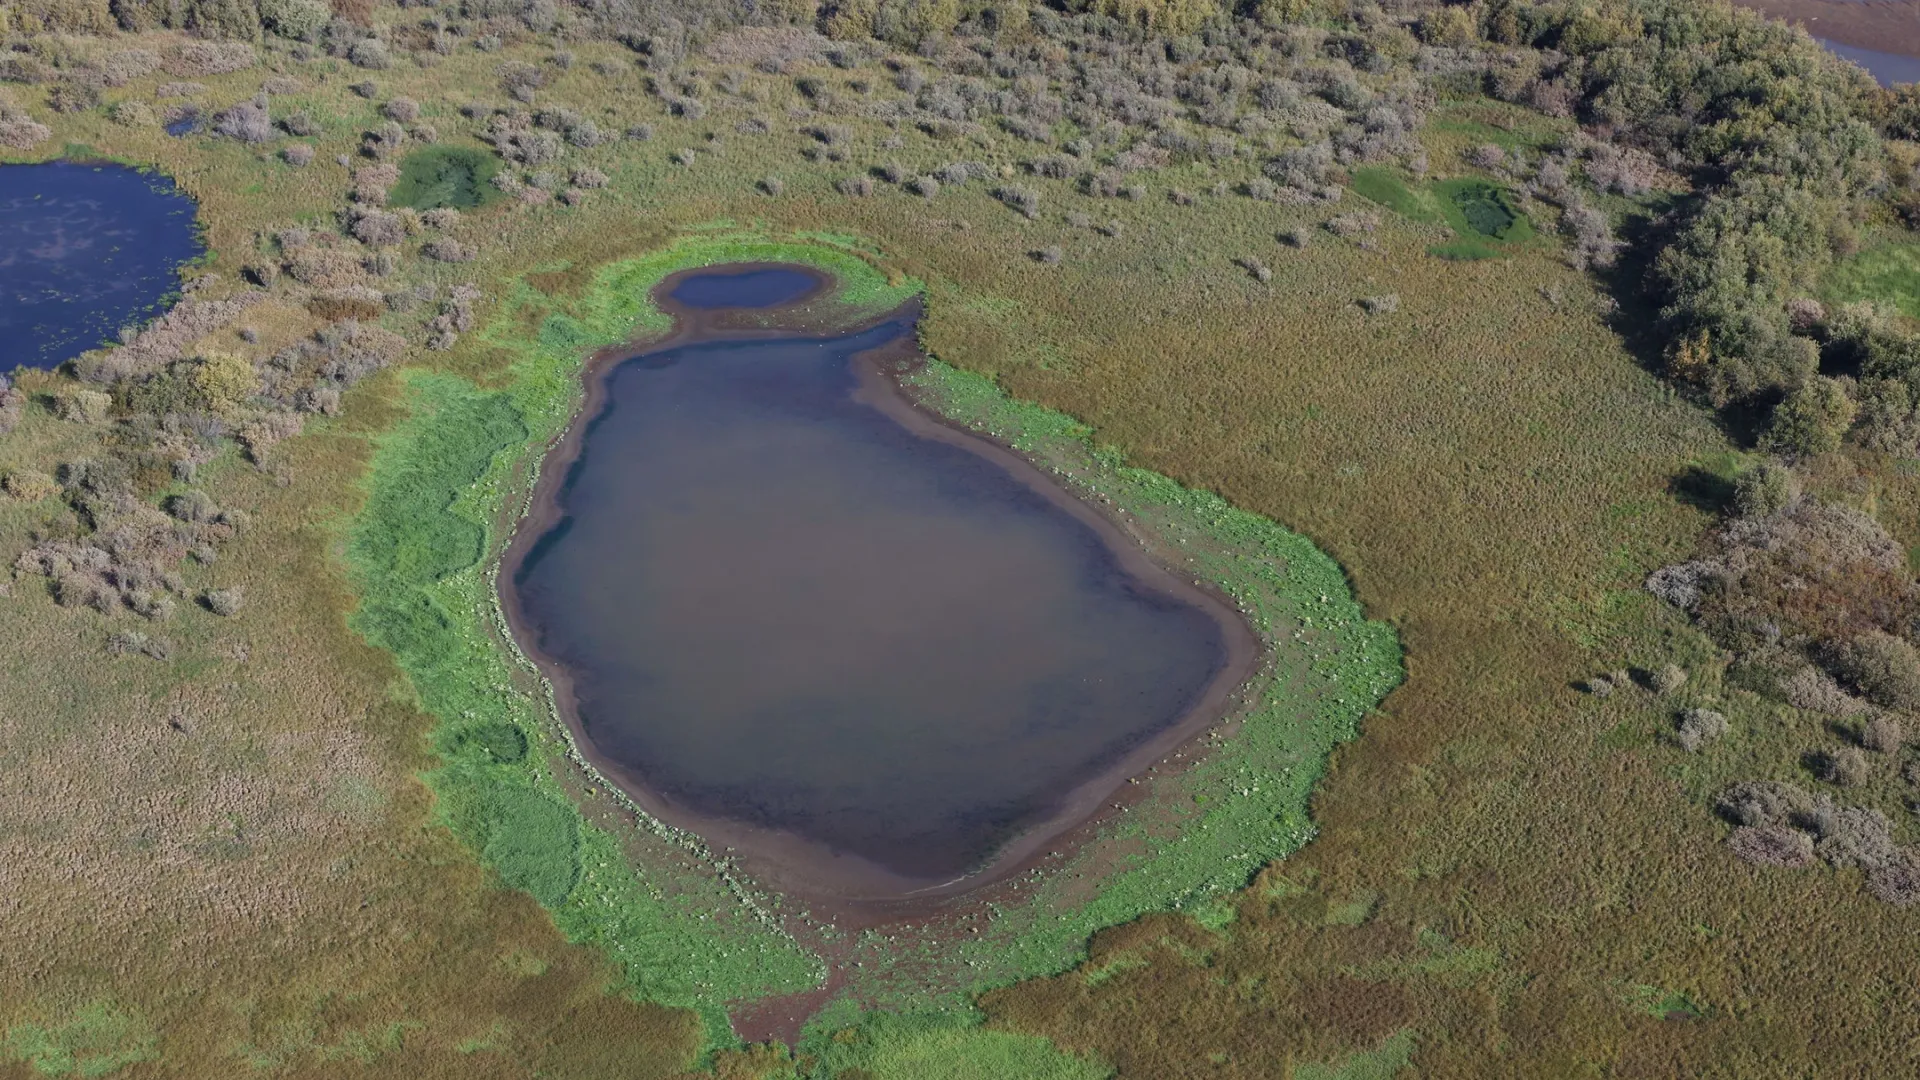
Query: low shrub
(1855,836)
(223,602)
(1883,734)
(1881,667)
(1897,881)
(1023,199)
(83,406)
(1759,803)
(448,250)
(1843,767)
(246,122)
(1697,727)
(192,506)
(133,114)
(1765,489)
(1772,845)
(28,485)
(370,53)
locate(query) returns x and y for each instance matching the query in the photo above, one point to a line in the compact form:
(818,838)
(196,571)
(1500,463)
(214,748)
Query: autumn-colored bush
(1813,572)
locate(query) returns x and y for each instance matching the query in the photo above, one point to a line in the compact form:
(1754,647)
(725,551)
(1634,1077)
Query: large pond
(789,610)
(85,250)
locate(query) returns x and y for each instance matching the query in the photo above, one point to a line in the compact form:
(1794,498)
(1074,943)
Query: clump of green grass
(98,1039)
(1888,273)
(1464,250)
(945,1046)
(1385,186)
(1383,1062)
(438,177)
(1665,1004)
(1477,208)
(1481,214)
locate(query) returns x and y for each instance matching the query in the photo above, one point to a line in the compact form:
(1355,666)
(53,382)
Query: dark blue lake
(85,250)
(814,623)
(757,288)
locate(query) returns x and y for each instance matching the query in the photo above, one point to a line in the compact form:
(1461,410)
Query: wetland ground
(286,852)
(1178,838)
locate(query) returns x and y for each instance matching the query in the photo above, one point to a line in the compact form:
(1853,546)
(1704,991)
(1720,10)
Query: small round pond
(85,250)
(868,653)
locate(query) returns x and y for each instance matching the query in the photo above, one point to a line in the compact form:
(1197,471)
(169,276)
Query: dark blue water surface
(782,606)
(760,288)
(1888,68)
(84,250)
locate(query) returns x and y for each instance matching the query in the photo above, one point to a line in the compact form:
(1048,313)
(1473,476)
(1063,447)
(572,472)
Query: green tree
(224,380)
(300,20)
(1449,27)
(1812,419)
(1765,489)
(1277,13)
(907,23)
(1175,18)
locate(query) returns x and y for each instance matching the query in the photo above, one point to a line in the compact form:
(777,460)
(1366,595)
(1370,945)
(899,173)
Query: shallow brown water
(794,615)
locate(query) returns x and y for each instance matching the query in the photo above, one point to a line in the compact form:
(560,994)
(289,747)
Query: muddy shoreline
(845,890)
(1888,26)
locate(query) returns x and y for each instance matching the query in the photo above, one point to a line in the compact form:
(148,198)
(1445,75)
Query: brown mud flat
(843,894)
(1888,26)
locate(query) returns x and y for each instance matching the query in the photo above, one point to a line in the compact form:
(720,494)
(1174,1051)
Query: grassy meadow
(258,858)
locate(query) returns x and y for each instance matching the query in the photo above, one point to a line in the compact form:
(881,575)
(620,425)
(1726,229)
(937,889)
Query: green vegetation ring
(448,483)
